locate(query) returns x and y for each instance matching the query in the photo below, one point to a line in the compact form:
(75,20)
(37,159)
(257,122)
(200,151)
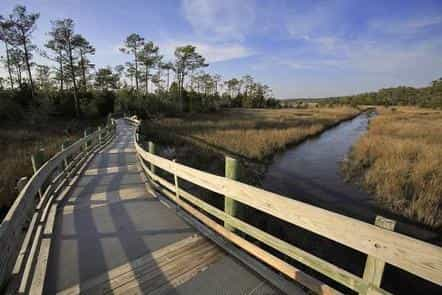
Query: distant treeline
(430,96)
(69,84)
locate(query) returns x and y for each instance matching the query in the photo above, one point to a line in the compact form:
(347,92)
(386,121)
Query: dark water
(311,172)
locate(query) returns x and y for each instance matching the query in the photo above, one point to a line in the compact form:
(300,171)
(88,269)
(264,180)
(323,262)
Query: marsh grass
(400,161)
(19,142)
(252,133)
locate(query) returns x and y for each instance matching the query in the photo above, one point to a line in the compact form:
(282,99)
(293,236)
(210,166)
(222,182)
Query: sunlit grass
(254,133)
(400,160)
(19,142)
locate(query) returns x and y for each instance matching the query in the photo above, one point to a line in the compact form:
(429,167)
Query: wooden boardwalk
(98,218)
(113,236)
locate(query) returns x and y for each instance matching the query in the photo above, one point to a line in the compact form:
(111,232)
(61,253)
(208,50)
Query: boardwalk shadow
(97,236)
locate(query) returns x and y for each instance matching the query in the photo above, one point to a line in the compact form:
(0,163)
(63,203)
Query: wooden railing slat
(14,226)
(338,274)
(374,268)
(415,256)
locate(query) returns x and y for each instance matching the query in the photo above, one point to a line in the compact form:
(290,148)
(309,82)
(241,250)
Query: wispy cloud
(308,21)
(405,27)
(213,52)
(308,64)
(215,19)
(300,48)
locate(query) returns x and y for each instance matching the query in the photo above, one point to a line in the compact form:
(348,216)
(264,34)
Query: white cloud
(220,19)
(399,61)
(306,22)
(212,52)
(370,55)
(343,67)
(405,27)
(308,64)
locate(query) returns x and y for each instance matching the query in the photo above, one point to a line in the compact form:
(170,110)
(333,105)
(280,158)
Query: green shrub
(10,109)
(104,102)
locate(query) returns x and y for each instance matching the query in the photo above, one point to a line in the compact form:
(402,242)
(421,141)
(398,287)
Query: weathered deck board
(111,235)
(183,259)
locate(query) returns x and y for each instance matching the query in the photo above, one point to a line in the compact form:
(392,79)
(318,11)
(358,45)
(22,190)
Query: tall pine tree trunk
(61,73)
(71,63)
(28,65)
(11,80)
(83,70)
(147,80)
(136,70)
(19,79)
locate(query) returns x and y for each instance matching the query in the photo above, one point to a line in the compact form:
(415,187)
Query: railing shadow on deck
(23,232)
(88,232)
(379,242)
(92,259)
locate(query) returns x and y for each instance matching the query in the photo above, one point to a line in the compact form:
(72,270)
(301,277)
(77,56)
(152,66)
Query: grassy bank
(400,161)
(251,133)
(19,141)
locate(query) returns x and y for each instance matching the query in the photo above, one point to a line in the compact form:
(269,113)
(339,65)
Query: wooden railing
(24,249)
(378,242)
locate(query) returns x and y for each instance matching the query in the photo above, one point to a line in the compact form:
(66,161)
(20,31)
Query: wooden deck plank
(112,169)
(158,264)
(193,264)
(114,238)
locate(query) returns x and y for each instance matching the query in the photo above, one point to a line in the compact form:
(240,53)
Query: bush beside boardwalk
(400,161)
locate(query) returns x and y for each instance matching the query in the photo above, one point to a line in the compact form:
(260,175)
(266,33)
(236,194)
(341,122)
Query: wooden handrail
(417,257)
(14,226)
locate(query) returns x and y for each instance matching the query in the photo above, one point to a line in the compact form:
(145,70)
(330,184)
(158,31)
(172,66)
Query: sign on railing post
(232,171)
(152,151)
(374,268)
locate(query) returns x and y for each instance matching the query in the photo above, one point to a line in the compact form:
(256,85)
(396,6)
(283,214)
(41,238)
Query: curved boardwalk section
(112,236)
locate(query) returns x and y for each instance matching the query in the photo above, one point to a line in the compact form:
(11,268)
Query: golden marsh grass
(255,133)
(18,143)
(400,160)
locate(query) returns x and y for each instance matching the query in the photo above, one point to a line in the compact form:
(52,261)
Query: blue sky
(299,48)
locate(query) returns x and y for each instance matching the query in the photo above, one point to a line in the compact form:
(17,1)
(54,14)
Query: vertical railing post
(152,151)
(85,142)
(100,139)
(63,147)
(177,188)
(232,171)
(37,161)
(374,268)
(22,183)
